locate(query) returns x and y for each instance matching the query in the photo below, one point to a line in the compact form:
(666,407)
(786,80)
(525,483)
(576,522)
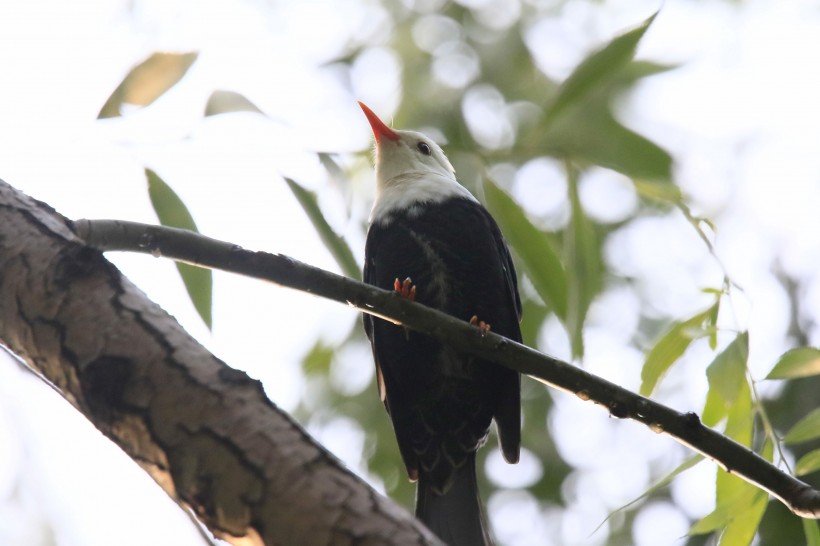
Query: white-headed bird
(431,241)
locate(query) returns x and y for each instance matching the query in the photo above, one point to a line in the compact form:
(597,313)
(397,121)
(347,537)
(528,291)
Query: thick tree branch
(686,428)
(204,431)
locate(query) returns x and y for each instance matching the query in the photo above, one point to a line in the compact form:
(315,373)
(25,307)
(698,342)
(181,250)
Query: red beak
(379,128)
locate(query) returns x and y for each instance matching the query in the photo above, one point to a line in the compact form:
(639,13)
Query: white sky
(740,118)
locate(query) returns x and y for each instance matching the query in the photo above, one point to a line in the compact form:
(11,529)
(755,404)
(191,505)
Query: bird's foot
(480,324)
(406,289)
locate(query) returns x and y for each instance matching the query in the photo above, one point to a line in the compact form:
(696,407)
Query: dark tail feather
(456,517)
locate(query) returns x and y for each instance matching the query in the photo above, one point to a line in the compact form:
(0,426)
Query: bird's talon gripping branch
(480,324)
(406,289)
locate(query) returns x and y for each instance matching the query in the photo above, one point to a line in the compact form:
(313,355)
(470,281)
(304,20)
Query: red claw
(480,324)
(406,289)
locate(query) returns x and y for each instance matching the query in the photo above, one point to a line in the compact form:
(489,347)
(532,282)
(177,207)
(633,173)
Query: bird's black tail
(457,516)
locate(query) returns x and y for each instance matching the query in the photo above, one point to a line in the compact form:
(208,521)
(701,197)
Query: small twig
(686,428)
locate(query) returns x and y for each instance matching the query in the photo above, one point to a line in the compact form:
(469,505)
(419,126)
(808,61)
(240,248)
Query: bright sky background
(740,118)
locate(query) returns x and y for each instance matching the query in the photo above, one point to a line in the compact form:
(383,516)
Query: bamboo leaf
(579,124)
(669,348)
(738,511)
(583,259)
(724,512)
(811,531)
(714,409)
(597,68)
(741,499)
(807,428)
(337,246)
(714,520)
(533,247)
(592,135)
(172,212)
(727,371)
(659,191)
(740,416)
(148,81)
(742,528)
(800,362)
(729,394)
(808,463)
(712,321)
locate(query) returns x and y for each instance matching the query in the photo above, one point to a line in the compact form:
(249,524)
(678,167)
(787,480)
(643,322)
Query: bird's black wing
(405,360)
(508,413)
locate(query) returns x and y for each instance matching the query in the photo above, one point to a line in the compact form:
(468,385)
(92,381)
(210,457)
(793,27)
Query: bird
(431,241)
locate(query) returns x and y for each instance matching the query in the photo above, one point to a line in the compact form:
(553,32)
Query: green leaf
(714,410)
(582,256)
(596,69)
(728,486)
(337,246)
(534,314)
(800,362)
(579,125)
(729,394)
(811,531)
(727,372)
(712,320)
(172,212)
(669,349)
(533,247)
(728,509)
(225,102)
(740,417)
(148,81)
(807,428)
(593,135)
(658,190)
(738,511)
(808,463)
(742,527)
(169,208)
(716,519)
(632,154)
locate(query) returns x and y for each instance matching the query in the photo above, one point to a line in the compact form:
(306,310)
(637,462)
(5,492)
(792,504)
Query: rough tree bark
(204,431)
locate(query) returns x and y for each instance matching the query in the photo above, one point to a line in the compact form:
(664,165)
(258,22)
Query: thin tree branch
(686,428)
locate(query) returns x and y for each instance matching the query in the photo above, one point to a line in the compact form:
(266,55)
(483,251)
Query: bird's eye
(424,148)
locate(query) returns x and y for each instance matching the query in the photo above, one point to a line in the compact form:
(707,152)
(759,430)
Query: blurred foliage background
(622,269)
